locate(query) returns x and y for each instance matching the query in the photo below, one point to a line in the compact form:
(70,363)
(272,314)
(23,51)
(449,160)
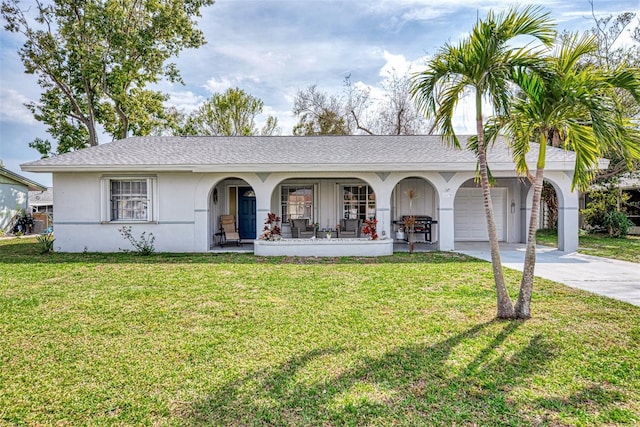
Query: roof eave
(31,185)
(289,167)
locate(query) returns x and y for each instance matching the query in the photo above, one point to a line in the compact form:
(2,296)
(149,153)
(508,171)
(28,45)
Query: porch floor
(246,247)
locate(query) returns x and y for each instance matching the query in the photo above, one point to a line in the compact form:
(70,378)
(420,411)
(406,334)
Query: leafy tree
(94,59)
(578,106)
(602,203)
(232,113)
(485,62)
(270,127)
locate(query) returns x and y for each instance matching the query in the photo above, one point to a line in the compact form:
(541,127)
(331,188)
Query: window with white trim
(128,199)
(296,202)
(359,202)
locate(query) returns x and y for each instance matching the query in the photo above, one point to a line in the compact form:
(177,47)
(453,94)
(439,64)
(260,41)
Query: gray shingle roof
(41,198)
(285,153)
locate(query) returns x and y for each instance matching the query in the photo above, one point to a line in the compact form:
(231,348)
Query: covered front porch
(327,206)
(451,202)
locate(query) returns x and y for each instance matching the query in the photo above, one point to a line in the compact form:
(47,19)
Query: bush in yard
(617,223)
(602,203)
(143,245)
(45,243)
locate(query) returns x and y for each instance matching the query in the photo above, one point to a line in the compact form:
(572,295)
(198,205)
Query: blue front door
(246,213)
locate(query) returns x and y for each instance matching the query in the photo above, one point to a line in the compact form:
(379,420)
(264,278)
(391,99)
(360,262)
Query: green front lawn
(625,249)
(184,339)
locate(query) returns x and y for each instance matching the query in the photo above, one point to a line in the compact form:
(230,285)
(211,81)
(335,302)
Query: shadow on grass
(600,399)
(25,251)
(415,385)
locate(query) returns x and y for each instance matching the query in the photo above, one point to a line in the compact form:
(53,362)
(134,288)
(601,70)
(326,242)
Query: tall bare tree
(355,111)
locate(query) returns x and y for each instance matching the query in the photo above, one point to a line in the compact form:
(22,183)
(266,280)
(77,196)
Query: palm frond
(530,21)
(572,48)
(627,79)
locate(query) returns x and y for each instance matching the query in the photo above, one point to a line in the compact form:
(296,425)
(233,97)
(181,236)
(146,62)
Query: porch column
(446,221)
(202,231)
(525,211)
(568,209)
(203,234)
(383,210)
(446,201)
(568,225)
(263,190)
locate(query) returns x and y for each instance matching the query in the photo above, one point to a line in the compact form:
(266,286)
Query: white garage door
(470,220)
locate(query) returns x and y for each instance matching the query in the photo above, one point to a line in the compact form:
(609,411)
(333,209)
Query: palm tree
(574,104)
(485,62)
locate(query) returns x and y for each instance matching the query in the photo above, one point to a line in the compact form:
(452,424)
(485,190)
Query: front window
(358,202)
(296,202)
(129,200)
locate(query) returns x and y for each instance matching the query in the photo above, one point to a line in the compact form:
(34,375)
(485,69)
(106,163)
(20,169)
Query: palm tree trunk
(505,305)
(523,304)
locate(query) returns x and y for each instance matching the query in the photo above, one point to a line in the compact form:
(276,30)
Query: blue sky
(272,48)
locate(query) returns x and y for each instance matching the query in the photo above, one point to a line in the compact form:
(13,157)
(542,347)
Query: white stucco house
(14,195)
(178,187)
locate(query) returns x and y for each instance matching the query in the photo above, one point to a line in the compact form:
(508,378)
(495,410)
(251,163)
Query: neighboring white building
(41,201)
(14,195)
(177,188)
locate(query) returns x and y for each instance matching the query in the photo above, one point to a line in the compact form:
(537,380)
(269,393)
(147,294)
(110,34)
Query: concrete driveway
(602,276)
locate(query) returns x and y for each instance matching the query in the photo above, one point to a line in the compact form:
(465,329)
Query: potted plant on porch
(369,228)
(271,230)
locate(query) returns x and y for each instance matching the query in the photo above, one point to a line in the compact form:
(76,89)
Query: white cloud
(401,12)
(390,5)
(12,107)
(215,85)
(399,64)
(185,101)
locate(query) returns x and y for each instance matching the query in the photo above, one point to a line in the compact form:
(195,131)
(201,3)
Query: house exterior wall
(79,203)
(185,216)
(13,196)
